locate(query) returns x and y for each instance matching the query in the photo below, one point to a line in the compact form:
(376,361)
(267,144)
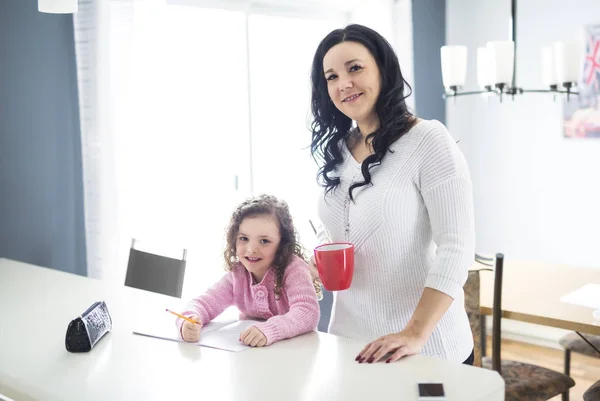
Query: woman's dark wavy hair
(330,126)
(289,245)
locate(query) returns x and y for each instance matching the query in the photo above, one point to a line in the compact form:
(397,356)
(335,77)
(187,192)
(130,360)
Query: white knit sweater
(413,228)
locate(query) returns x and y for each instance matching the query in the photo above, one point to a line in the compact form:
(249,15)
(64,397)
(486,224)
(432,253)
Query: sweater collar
(266,278)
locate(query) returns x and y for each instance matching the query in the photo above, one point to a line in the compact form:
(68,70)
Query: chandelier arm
(569,92)
(456,94)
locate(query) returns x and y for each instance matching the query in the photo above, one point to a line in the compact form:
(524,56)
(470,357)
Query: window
(213,107)
(280,99)
(187,129)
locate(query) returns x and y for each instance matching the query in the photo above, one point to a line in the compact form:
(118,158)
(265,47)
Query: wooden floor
(585,370)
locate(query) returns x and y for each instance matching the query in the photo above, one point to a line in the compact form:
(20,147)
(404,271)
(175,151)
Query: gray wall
(41,186)
(429,34)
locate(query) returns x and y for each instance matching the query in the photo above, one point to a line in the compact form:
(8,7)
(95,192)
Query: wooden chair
(573,342)
(472,290)
(592,393)
(523,381)
(156,273)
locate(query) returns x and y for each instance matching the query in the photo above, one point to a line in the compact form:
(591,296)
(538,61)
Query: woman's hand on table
(404,343)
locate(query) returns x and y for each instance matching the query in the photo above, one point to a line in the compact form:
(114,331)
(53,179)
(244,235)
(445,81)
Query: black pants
(470,359)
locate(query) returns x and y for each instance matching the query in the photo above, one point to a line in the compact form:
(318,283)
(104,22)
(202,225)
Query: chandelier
(497,63)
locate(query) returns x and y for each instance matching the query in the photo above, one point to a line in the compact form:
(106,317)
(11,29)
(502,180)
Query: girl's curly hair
(289,245)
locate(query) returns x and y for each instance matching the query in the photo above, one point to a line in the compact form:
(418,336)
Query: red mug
(335,263)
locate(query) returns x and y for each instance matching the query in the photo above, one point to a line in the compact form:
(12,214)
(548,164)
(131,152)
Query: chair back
(472,289)
(156,273)
(497,312)
(472,306)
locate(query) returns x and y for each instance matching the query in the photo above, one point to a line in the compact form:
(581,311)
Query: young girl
(268,278)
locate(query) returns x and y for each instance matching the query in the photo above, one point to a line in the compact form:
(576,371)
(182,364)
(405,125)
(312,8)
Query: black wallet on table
(85,331)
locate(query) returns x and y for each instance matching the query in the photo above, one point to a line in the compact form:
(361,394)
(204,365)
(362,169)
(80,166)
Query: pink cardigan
(294,313)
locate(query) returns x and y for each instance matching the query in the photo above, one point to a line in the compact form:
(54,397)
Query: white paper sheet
(228,337)
(588,295)
(220,334)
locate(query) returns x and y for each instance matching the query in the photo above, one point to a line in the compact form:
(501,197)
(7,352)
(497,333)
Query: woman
(399,189)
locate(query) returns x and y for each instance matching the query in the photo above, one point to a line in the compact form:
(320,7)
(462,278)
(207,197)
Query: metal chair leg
(565,395)
(483,335)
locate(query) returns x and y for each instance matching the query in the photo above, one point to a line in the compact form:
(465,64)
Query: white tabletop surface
(36,305)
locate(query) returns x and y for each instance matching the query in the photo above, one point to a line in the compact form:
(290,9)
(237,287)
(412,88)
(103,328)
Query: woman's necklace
(353,140)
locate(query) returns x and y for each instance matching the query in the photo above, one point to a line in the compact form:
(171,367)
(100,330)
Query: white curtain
(163,130)
(185,111)
(96,25)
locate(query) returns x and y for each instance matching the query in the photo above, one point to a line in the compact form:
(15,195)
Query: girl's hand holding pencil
(190,331)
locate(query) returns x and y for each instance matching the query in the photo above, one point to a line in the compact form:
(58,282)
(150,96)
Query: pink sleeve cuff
(270,330)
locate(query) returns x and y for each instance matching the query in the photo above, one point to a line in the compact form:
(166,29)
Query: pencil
(183,317)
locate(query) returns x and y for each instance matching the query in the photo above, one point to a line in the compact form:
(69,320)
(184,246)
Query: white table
(36,304)
(531,292)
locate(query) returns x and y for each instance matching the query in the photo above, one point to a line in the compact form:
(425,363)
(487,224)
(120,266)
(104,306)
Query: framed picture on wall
(582,114)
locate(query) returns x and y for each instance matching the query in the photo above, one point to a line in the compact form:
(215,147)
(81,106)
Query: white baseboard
(529,333)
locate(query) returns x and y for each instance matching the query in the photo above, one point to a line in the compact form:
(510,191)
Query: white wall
(403,43)
(376,15)
(537,195)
